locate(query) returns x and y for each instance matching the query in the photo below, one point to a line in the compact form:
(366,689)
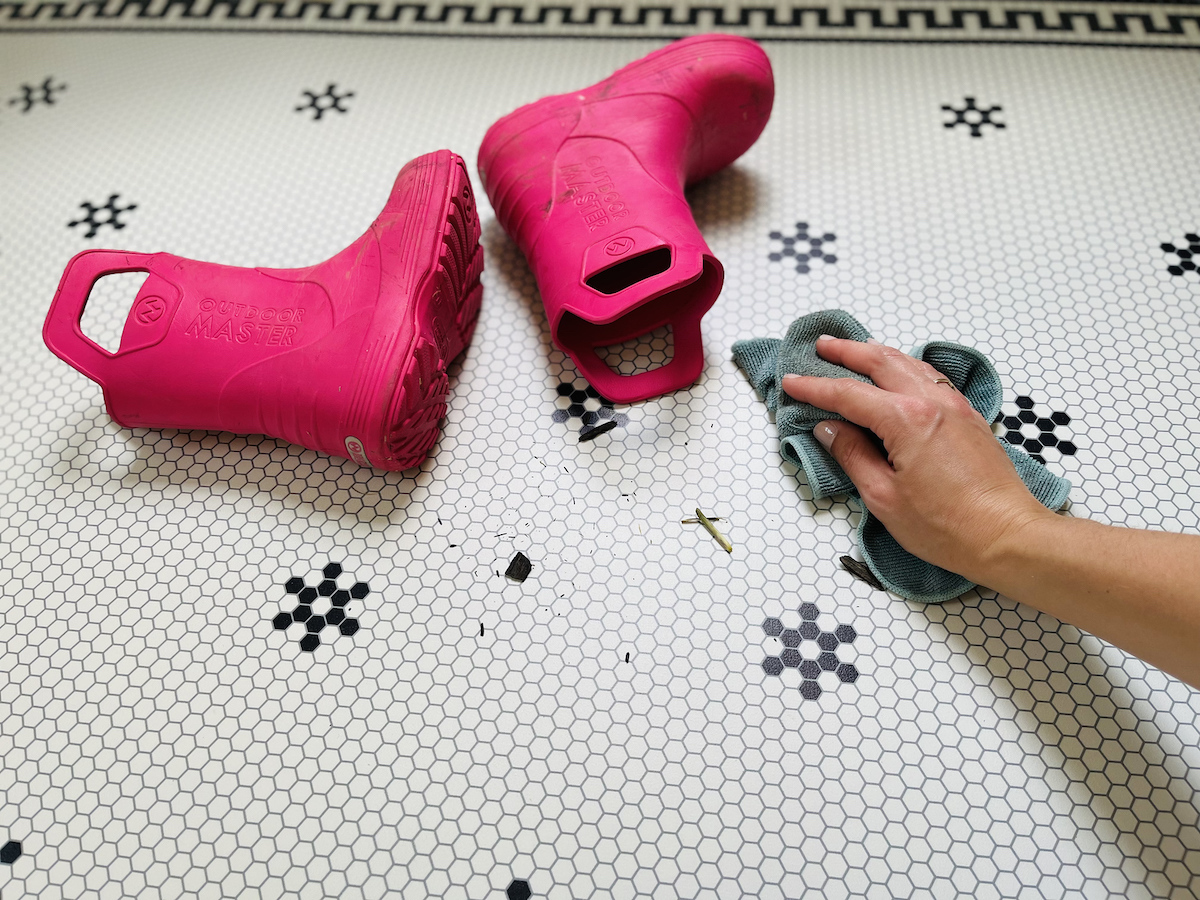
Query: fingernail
(873,341)
(825,432)
(826,337)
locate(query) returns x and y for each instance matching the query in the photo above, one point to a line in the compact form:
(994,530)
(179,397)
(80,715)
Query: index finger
(888,367)
(856,401)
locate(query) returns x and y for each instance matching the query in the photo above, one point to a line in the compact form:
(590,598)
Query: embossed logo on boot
(244,323)
(150,310)
(593,193)
(618,246)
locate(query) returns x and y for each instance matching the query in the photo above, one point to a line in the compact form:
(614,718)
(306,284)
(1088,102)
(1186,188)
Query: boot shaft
(338,357)
(590,185)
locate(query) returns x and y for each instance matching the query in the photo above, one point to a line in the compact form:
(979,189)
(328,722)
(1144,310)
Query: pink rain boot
(347,357)
(590,185)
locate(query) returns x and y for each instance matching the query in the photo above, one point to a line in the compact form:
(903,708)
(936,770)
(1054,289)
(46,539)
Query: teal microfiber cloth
(766,360)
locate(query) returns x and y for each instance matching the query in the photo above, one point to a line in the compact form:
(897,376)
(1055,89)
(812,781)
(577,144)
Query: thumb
(857,454)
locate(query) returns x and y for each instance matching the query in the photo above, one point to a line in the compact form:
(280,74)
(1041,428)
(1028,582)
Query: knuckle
(841,388)
(962,406)
(877,495)
(952,401)
(920,411)
(929,370)
(892,355)
(844,450)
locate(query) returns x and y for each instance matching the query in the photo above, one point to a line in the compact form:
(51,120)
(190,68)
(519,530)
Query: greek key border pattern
(1124,24)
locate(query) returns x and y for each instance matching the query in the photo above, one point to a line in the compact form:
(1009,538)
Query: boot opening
(642,339)
(629,272)
(644,353)
(107,308)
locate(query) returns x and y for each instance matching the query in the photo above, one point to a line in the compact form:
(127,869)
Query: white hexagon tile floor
(232,667)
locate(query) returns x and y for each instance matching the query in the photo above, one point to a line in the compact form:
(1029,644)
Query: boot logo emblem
(356,450)
(619,246)
(150,310)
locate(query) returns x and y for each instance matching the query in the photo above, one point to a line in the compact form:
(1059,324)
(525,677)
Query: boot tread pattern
(444,328)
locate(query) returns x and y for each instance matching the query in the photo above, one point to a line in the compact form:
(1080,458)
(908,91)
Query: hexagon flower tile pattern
(607,727)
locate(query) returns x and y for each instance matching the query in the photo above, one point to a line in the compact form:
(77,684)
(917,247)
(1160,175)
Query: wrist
(1017,554)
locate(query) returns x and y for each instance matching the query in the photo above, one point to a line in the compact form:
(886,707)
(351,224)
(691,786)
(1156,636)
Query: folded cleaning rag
(766,360)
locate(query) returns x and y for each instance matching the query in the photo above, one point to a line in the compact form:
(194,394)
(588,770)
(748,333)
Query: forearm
(1139,590)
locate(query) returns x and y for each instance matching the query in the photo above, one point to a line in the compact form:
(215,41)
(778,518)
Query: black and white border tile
(1089,22)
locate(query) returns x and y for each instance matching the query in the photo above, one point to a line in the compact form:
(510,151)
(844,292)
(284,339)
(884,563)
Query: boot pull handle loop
(681,371)
(62,332)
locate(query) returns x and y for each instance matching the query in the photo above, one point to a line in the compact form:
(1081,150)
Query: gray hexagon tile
(189,711)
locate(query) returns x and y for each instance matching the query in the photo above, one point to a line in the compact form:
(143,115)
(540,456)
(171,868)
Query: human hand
(946,490)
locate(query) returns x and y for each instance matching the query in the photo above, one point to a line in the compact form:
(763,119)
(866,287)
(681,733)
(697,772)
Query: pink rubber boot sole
(590,186)
(347,357)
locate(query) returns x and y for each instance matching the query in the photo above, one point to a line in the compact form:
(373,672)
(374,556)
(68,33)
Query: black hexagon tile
(321,610)
(810,650)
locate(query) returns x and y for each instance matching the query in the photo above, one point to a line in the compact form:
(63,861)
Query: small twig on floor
(712,529)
